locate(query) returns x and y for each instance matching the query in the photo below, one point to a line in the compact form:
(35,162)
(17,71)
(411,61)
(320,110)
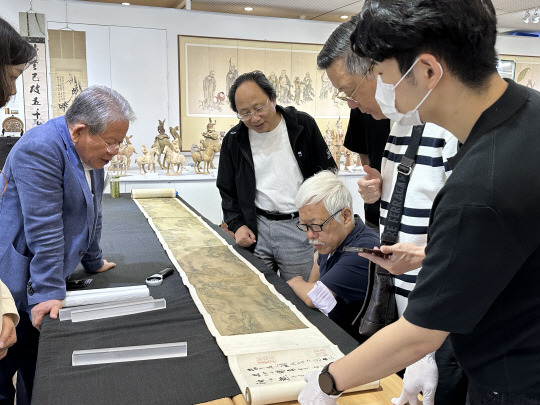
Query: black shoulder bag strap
(379,308)
(395,206)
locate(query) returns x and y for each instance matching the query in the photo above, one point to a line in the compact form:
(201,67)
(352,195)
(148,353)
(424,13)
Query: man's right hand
(8,336)
(43,308)
(244,237)
(370,186)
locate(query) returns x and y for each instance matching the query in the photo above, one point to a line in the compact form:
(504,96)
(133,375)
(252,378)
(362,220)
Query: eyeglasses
(110,148)
(343,97)
(256,112)
(316,227)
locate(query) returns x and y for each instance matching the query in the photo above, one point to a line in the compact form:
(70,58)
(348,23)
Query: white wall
(134,49)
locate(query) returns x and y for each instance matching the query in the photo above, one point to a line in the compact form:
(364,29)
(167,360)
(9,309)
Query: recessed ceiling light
(344,16)
(248,8)
(126,4)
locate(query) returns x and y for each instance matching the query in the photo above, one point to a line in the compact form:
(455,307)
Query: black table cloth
(204,375)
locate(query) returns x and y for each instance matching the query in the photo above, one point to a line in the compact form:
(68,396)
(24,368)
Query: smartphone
(375,252)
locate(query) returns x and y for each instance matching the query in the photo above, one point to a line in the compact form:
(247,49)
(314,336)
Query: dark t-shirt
(368,136)
(480,276)
(346,274)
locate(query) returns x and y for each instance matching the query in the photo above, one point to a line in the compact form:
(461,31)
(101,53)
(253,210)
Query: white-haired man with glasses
(51,214)
(338,280)
(263,161)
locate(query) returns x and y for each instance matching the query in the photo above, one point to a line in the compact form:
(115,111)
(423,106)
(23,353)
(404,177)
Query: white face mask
(386,98)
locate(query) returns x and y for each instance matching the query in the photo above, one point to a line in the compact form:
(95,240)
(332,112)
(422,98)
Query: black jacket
(236,172)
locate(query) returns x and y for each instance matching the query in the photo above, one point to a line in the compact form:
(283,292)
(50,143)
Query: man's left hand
(106,266)
(312,393)
(50,307)
(421,376)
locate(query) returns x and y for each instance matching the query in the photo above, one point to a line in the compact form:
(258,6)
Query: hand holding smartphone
(375,252)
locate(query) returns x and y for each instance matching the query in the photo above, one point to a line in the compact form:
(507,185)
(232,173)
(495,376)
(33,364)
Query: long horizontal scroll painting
(270,345)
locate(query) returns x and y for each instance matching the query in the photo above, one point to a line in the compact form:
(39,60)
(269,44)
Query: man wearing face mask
(429,174)
(478,284)
(351,74)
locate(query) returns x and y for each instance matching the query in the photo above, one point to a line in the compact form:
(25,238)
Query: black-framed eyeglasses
(111,148)
(316,227)
(256,112)
(343,97)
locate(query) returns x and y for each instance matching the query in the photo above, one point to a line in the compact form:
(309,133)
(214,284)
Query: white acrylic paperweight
(128,353)
(117,309)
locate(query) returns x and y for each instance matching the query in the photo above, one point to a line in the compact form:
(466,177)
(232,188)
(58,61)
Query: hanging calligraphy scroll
(67,50)
(36,104)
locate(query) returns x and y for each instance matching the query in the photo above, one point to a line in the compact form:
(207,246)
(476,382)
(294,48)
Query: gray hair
(338,46)
(97,106)
(327,187)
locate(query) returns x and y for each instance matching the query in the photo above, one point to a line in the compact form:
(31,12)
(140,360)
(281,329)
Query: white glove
(312,393)
(420,376)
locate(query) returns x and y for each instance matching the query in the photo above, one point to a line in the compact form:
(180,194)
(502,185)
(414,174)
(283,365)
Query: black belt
(275,215)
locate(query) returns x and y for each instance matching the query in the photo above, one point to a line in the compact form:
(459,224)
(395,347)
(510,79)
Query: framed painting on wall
(209,66)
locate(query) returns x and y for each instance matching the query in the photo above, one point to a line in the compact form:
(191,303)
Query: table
(390,388)
(202,376)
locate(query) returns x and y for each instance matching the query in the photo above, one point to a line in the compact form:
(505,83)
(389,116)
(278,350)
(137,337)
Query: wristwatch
(327,382)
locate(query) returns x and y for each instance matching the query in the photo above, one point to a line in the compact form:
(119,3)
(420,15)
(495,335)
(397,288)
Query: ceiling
(509,12)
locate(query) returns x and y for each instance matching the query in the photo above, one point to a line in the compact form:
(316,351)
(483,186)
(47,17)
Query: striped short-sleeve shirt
(429,175)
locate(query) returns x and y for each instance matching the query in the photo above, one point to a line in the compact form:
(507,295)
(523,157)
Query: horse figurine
(196,156)
(119,164)
(206,156)
(207,143)
(160,142)
(128,149)
(173,158)
(148,159)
